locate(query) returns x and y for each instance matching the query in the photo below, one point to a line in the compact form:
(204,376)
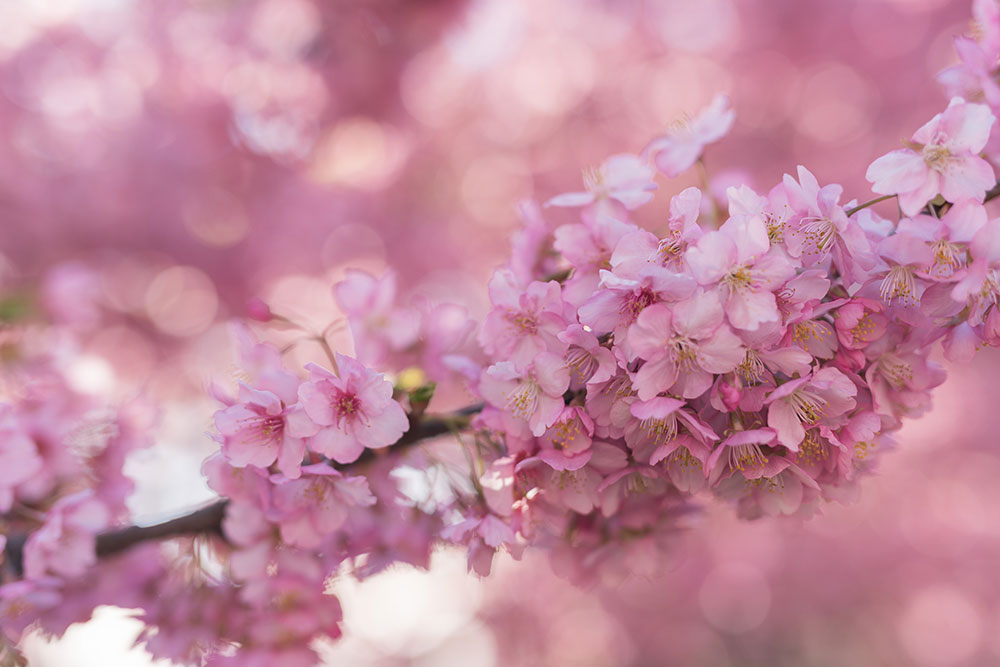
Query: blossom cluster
(762,349)
(764,356)
(62,482)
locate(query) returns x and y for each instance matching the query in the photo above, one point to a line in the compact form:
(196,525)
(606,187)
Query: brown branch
(208,519)
(992,193)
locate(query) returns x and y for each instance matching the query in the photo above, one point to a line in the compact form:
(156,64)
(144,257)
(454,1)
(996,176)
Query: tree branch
(992,193)
(208,519)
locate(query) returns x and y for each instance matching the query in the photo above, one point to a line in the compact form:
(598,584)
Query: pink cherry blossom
(378,324)
(588,361)
(942,157)
(820,227)
(65,545)
(532,396)
(683,345)
(822,397)
(566,444)
(352,411)
(737,258)
(641,247)
(621,298)
(859,322)
(677,150)
(19,457)
(625,179)
(261,429)
(525,321)
(309,509)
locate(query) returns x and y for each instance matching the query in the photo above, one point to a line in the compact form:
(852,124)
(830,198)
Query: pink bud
(258,310)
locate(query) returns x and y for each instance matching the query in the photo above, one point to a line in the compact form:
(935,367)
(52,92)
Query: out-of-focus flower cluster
(62,451)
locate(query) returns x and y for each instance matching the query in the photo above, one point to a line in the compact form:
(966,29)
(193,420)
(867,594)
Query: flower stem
(852,211)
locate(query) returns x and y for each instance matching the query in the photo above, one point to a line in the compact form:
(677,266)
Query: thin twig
(852,211)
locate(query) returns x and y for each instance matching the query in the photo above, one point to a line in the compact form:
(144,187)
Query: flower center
(668,249)
(634,304)
(685,350)
(682,458)
(661,430)
(899,284)
(863,449)
(593,180)
(316,491)
(523,400)
(565,432)
(863,330)
(744,457)
(751,369)
(264,429)
(739,278)
(775,228)
(812,449)
(807,405)
(347,407)
(991,287)
(581,362)
(807,330)
(936,156)
(947,257)
(896,371)
(523,323)
(820,233)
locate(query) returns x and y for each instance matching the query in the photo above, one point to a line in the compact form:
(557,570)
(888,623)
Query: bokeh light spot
(940,626)
(181,301)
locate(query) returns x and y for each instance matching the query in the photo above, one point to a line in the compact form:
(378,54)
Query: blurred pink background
(167,160)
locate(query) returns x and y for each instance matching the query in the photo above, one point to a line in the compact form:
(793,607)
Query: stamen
(991,287)
(936,156)
(769,484)
(739,278)
(263,430)
(812,449)
(807,405)
(523,400)
(947,258)
(863,330)
(593,179)
(346,407)
(863,449)
(744,457)
(751,369)
(581,363)
(899,284)
(661,430)
(807,330)
(775,228)
(565,433)
(634,304)
(682,458)
(896,371)
(523,322)
(668,249)
(821,233)
(684,351)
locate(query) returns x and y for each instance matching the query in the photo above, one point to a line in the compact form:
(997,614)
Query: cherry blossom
(942,157)
(352,411)
(677,150)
